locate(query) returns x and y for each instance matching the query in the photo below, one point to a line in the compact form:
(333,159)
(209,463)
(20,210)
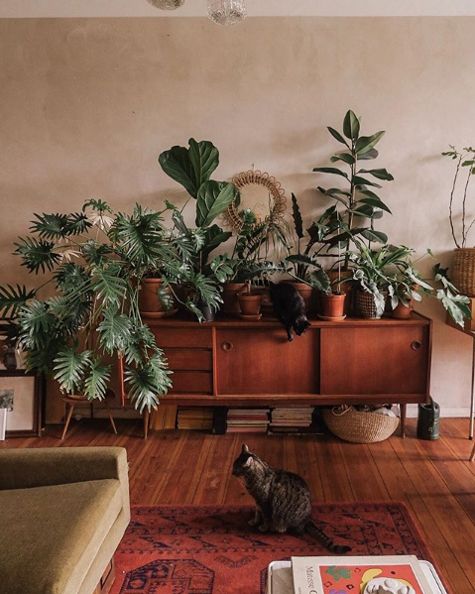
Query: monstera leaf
(213,198)
(192,166)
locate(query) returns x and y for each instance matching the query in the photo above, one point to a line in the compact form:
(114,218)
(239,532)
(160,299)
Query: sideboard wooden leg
(472,455)
(146,424)
(402,408)
(68,419)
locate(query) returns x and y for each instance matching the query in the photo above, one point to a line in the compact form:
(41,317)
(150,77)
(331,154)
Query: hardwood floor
(434,479)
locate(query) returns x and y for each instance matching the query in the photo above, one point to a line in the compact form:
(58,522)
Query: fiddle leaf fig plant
(358,196)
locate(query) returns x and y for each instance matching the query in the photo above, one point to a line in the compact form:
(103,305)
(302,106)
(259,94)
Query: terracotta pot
(402,312)
(230,305)
(462,270)
(306,291)
(345,287)
(333,306)
(250,304)
(150,304)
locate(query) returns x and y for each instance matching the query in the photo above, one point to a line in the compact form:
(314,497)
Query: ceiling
(132,8)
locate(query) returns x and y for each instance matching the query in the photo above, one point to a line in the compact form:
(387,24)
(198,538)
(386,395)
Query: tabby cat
(282,499)
(289,307)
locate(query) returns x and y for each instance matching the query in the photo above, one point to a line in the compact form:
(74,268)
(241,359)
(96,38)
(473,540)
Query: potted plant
(95,260)
(201,276)
(250,303)
(463,264)
(358,200)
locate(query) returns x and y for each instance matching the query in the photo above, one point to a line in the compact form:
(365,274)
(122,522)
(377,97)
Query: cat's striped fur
(282,499)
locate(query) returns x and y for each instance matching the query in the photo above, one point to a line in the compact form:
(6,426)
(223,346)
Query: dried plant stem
(452,194)
(465,233)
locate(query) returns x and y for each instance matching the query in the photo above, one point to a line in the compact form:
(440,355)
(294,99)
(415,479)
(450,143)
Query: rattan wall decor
(260,194)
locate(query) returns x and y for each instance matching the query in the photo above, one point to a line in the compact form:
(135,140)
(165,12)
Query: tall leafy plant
(95,260)
(358,198)
(192,167)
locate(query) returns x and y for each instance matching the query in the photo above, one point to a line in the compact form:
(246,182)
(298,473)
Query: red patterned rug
(212,550)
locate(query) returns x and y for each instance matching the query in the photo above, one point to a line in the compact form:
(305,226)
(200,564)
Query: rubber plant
(94,260)
(360,204)
(201,276)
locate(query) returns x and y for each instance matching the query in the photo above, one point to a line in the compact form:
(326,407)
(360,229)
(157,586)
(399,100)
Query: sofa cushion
(51,535)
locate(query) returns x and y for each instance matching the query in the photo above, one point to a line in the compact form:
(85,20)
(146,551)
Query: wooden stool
(472,455)
(73,401)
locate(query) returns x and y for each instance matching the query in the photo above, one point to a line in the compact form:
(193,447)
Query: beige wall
(87,105)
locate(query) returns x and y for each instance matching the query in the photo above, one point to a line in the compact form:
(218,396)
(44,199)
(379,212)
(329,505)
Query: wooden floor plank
(434,479)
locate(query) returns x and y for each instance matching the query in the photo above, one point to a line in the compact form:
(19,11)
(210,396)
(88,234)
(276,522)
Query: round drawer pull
(227,346)
(416,345)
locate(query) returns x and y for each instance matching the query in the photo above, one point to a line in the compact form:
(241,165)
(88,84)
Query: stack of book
(199,419)
(392,574)
(247,420)
(291,420)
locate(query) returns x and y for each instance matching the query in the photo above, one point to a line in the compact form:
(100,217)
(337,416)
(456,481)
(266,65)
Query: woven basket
(359,427)
(365,306)
(462,271)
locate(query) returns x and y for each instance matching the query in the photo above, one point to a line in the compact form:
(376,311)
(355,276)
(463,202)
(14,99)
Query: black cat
(289,307)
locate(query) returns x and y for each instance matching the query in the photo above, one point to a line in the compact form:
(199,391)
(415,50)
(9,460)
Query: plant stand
(71,402)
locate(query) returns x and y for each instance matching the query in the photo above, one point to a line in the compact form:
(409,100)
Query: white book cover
(394,574)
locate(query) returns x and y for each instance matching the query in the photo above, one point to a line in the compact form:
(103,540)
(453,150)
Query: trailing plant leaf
(190,167)
(13,298)
(96,380)
(146,383)
(37,254)
(108,284)
(69,369)
(115,332)
(213,198)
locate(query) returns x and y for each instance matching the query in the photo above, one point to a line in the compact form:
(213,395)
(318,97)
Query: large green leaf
(379,173)
(190,167)
(366,143)
(37,254)
(375,202)
(351,125)
(376,236)
(213,198)
(337,135)
(345,157)
(332,170)
(214,236)
(96,379)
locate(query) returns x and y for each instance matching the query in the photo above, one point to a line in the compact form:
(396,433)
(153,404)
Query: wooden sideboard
(230,362)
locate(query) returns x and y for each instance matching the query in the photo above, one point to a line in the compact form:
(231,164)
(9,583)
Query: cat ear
(245,449)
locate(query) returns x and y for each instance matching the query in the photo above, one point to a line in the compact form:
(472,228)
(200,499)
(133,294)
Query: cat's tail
(314,531)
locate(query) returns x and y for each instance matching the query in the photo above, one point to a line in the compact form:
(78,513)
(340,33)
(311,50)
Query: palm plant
(96,260)
(358,198)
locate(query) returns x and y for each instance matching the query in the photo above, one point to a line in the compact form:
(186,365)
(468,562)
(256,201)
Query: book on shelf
(390,574)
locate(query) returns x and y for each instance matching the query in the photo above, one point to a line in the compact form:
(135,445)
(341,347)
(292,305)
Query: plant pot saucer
(158,314)
(251,317)
(332,318)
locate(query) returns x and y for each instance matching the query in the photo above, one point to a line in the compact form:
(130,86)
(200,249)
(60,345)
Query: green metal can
(428,421)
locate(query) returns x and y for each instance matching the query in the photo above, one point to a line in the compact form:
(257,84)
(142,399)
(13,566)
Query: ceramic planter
(462,270)
(230,305)
(150,304)
(332,307)
(345,287)
(250,304)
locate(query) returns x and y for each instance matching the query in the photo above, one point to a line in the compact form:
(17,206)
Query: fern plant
(96,260)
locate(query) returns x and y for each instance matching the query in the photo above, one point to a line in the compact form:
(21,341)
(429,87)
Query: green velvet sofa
(63,512)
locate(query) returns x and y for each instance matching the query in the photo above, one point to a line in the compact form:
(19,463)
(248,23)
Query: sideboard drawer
(189,359)
(192,382)
(183,337)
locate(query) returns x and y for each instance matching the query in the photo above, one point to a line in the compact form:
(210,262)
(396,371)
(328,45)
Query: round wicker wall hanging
(261,198)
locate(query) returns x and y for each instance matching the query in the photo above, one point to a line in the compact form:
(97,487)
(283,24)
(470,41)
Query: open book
(353,575)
